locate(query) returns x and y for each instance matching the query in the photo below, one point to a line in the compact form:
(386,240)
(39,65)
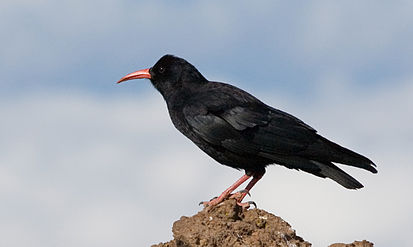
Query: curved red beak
(140,74)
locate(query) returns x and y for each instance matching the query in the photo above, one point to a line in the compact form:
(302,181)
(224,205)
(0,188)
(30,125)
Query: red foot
(227,193)
(239,196)
(213,202)
(246,205)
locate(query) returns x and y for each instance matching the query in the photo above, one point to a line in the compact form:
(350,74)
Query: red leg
(228,191)
(247,189)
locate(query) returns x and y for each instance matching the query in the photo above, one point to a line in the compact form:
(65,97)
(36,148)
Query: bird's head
(169,74)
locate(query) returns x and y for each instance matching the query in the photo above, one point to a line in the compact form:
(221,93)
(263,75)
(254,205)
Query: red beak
(140,74)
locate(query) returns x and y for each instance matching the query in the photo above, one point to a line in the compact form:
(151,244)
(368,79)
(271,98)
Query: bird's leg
(241,194)
(227,192)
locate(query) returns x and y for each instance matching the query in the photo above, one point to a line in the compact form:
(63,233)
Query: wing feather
(250,129)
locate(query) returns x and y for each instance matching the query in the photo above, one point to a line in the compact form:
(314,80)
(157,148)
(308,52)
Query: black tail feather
(325,150)
(322,169)
(331,171)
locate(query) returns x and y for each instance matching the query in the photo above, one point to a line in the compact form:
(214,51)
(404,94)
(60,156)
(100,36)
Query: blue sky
(86,162)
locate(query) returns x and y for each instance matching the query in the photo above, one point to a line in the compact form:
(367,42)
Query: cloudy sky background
(85,162)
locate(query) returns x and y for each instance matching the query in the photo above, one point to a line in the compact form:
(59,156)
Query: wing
(284,134)
(248,126)
(214,129)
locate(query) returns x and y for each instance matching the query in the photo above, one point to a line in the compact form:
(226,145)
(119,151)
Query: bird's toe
(247,205)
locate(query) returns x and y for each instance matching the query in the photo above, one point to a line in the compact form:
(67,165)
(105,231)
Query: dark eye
(161,69)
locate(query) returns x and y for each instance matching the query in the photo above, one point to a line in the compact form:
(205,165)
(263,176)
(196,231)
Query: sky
(86,162)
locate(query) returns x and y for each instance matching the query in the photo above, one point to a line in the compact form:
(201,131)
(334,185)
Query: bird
(238,130)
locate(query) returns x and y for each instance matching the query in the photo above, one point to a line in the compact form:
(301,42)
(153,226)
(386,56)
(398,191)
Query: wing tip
(355,185)
(371,167)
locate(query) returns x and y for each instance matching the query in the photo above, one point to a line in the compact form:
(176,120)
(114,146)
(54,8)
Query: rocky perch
(228,225)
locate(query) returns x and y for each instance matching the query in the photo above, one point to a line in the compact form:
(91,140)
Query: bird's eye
(161,69)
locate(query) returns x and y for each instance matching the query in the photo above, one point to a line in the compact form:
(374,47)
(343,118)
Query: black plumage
(240,131)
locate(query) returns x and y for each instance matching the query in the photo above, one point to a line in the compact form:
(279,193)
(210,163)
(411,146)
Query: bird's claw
(206,203)
(253,203)
(246,205)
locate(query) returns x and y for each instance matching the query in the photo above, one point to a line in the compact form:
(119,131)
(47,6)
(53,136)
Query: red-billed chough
(238,130)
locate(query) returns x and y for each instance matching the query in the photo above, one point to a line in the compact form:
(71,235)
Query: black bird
(238,130)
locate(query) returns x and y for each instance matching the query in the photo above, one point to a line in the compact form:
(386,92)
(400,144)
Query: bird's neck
(178,93)
(176,98)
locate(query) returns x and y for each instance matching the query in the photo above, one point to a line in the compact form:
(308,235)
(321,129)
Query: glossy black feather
(240,131)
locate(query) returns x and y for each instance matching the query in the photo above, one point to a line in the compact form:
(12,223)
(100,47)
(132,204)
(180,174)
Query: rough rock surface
(228,225)
(363,243)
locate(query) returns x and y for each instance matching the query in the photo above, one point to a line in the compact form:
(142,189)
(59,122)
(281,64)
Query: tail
(321,169)
(331,171)
(327,151)
(318,159)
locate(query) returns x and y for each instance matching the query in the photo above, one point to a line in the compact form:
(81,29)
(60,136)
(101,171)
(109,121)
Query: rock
(363,243)
(227,224)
